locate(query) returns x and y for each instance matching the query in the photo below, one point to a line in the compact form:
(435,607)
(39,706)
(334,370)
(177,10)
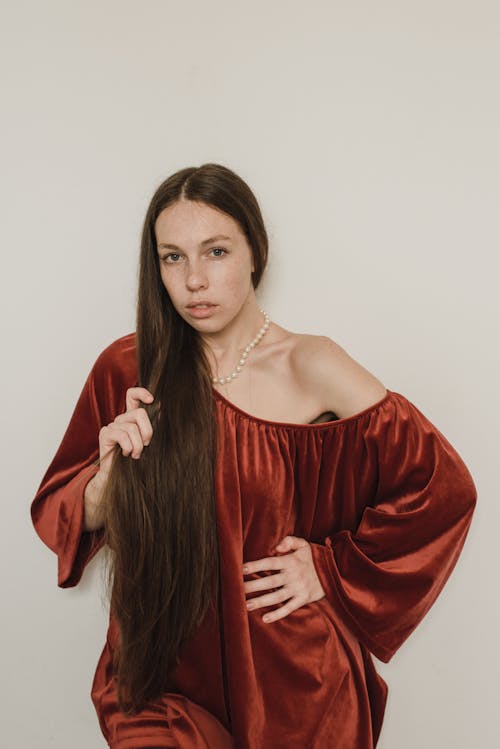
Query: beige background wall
(369,132)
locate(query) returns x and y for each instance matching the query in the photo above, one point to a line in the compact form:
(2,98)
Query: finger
(129,434)
(266,563)
(287,608)
(136,396)
(141,418)
(136,439)
(263,583)
(291,542)
(283,594)
(114,436)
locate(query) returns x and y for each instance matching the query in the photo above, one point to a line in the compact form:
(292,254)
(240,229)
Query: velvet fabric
(384,500)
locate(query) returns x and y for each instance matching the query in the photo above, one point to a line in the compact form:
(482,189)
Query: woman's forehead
(193,223)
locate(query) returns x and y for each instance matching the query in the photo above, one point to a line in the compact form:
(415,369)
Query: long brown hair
(159,515)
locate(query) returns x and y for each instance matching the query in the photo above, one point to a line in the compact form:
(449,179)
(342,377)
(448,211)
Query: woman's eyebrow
(167,246)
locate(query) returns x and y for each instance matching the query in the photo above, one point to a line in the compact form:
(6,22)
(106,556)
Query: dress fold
(383,576)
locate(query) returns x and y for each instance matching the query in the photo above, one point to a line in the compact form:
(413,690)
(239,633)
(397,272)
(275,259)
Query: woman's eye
(168,258)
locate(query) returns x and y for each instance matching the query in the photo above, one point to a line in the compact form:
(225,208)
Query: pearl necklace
(251,345)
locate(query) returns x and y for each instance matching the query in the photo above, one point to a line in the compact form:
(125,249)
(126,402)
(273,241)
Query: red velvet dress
(386,503)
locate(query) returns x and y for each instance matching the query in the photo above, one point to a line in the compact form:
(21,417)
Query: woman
(348,524)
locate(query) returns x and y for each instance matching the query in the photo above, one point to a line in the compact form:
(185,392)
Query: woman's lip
(201,311)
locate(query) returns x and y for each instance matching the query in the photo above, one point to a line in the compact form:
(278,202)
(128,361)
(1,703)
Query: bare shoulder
(342,384)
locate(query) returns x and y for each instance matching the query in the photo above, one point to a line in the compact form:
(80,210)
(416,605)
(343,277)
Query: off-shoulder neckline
(298,425)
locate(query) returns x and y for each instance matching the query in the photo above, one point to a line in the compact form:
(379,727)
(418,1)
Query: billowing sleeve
(382,576)
(57,508)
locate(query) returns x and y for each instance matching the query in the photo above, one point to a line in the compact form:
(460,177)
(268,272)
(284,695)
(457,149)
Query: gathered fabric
(385,502)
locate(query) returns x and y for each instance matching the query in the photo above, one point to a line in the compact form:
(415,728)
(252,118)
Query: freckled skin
(196,271)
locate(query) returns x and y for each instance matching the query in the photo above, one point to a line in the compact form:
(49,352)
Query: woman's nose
(196,278)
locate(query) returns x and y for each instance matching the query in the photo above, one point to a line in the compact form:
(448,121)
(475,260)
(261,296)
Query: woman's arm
(64,509)
(92,518)
(383,576)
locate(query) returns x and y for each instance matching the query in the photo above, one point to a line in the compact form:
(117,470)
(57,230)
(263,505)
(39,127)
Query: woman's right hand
(131,430)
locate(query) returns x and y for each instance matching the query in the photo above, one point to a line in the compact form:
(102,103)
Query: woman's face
(203,256)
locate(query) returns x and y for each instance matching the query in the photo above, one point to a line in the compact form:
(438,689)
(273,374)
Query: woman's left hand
(296,578)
